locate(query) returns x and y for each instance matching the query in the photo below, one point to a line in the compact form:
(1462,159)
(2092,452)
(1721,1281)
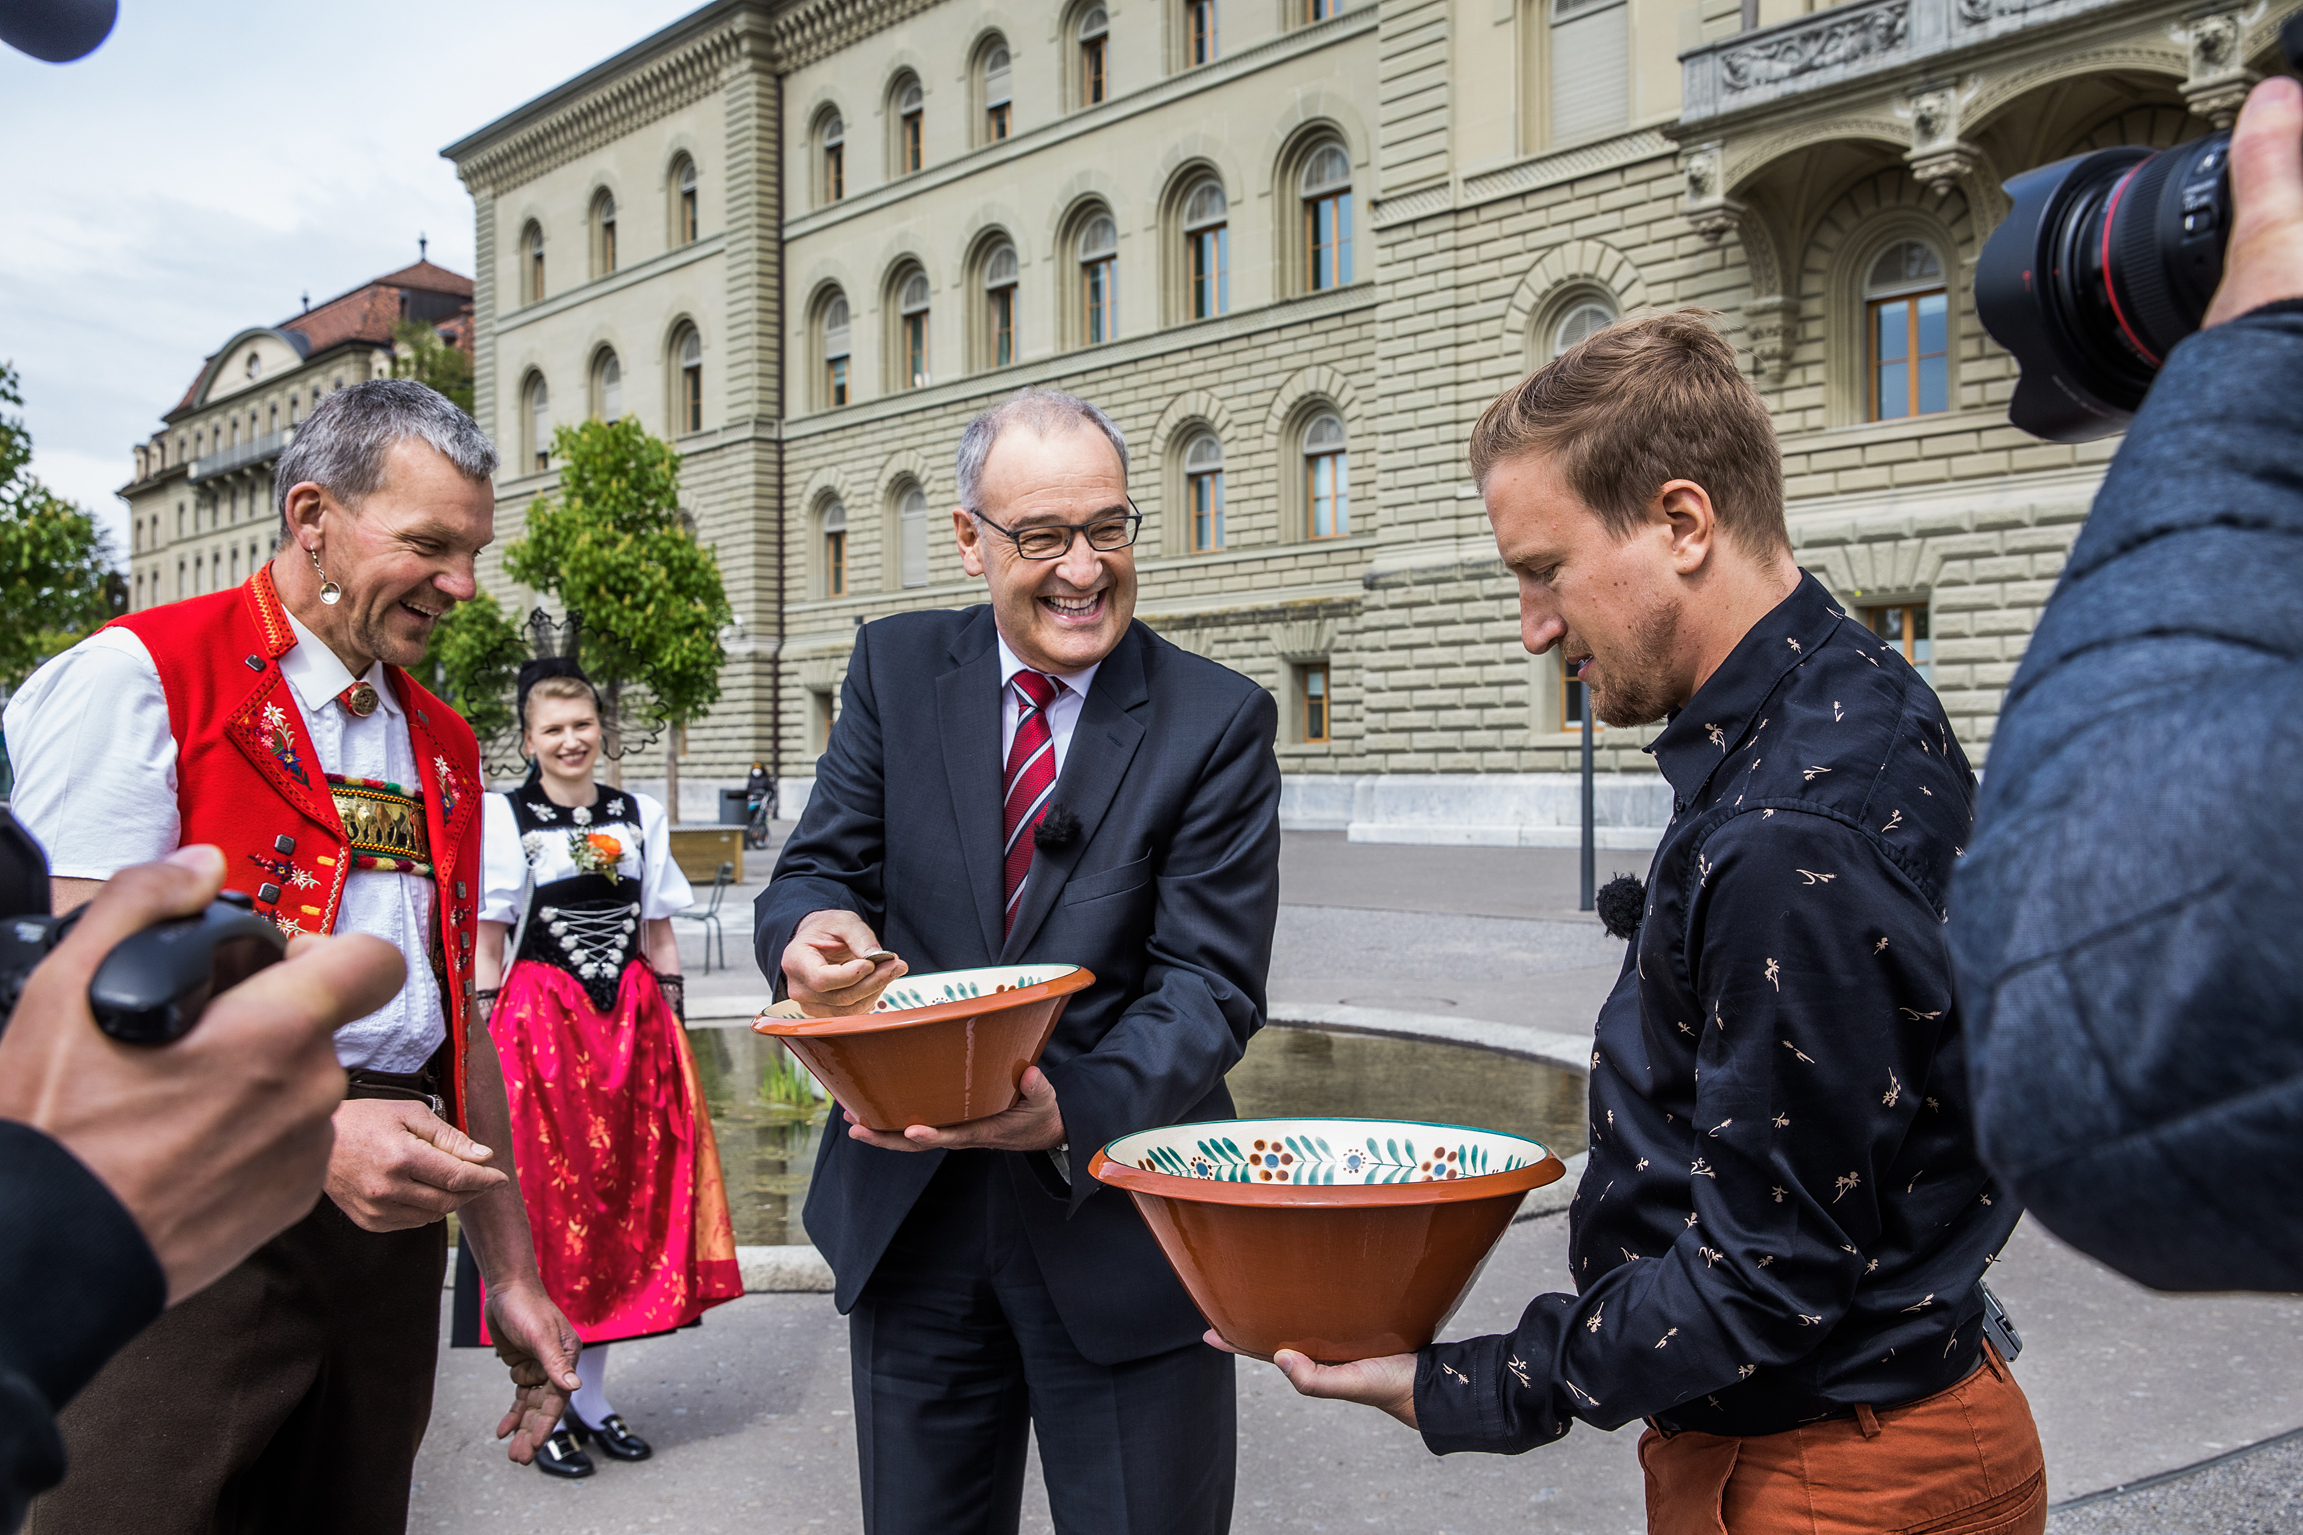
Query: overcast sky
(210,164)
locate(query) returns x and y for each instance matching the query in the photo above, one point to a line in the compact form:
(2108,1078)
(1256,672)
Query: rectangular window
(1330,489)
(836,564)
(836,380)
(1318,10)
(1910,356)
(913,148)
(1102,279)
(996,122)
(1571,697)
(688,216)
(1205,492)
(1210,272)
(835,172)
(691,397)
(1590,69)
(1092,71)
(1327,240)
(1312,681)
(1904,625)
(819,720)
(1003,318)
(916,348)
(1202,20)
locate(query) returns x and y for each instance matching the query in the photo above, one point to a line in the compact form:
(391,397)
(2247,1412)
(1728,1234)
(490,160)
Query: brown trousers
(289,1396)
(1962,1462)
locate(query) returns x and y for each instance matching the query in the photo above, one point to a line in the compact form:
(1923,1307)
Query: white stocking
(590,1403)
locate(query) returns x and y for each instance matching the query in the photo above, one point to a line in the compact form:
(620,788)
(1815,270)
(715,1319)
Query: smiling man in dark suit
(1037,780)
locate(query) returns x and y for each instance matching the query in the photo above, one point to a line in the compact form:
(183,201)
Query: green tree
(420,353)
(59,571)
(614,547)
(475,654)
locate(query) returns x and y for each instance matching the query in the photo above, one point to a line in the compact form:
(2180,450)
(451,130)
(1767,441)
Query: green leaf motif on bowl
(1310,1159)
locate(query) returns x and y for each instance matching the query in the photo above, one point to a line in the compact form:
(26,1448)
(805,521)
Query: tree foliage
(614,547)
(421,353)
(59,572)
(475,655)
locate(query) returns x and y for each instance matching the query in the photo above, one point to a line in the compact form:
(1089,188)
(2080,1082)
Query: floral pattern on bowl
(1327,1152)
(907,992)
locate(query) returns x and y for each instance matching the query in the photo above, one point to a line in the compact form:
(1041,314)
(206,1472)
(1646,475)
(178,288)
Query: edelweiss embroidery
(447,778)
(280,741)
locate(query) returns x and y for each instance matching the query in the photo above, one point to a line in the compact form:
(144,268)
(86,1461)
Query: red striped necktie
(1030,778)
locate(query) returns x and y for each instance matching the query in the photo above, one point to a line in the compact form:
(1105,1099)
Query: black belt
(413,1086)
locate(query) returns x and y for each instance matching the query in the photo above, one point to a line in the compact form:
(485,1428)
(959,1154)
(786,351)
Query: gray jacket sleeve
(2125,924)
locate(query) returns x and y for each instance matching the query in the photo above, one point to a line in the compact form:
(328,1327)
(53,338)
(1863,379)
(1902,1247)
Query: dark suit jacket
(1168,894)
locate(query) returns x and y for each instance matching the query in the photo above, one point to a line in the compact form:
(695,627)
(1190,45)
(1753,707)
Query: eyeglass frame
(1133,517)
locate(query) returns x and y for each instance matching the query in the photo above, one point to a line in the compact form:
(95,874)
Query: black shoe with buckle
(615,1437)
(561,1457)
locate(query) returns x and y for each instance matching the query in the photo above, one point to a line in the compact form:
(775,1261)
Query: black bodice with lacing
(587,924)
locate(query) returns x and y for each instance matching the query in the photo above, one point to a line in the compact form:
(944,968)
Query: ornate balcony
(241,455)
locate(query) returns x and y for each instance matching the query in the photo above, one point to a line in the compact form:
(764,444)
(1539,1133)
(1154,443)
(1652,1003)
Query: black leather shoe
(616,1440)
(560,1457)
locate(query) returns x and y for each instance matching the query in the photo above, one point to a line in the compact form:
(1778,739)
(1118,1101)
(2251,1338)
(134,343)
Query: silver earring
(330,592)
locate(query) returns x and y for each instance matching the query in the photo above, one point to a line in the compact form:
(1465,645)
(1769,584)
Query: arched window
(1326,185)
(836,350)
(1099,279)
(835,546)
(539,443)
(688,362)
(1000,305)
(1590,46)
(1207,242)
(912,535)
(1095,76)
(1582,318)
(1327,477)
(998,93)
(1907,331)
(603,234)
(533,280)
(684,221)
(1199,32)
(1203,491)
(911,144)
(833,136)
(607,387)
(912,305)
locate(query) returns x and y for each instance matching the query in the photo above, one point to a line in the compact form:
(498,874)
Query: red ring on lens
(2110,288)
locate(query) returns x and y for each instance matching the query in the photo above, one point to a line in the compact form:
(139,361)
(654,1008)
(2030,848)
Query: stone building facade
(200,507)
(1294,247)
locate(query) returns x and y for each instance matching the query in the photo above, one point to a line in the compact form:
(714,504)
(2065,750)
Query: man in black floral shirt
(1778,1241)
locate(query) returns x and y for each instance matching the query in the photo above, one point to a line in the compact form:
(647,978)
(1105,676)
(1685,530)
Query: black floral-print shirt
(1784,1215)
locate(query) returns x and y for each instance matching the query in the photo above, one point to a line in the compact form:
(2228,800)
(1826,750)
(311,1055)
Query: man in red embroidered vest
(277,721)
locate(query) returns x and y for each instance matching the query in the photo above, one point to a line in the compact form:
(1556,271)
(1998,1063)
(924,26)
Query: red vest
(249,780)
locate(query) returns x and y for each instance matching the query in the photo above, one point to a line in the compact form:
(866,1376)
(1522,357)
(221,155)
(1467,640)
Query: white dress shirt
(1063,714)
(95,765)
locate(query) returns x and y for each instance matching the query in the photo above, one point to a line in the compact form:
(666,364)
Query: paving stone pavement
(751,1414)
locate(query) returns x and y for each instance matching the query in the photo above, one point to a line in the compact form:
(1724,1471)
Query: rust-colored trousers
(1962,1462)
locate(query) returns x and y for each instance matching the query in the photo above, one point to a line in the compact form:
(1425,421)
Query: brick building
(1295,246)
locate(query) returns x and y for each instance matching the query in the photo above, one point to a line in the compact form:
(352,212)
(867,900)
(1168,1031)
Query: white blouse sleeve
(95,759)
(503,863)
(663,888)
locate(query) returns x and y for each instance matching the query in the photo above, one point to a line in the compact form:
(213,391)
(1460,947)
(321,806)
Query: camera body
(154,985)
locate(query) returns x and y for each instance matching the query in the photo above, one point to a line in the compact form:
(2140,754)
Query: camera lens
(2104,263)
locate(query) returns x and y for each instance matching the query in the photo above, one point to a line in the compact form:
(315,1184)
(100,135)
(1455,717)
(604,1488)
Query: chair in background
(709,918)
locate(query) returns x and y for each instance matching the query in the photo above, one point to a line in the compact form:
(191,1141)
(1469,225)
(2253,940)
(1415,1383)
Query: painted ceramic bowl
(937,1049)
(1340,1238)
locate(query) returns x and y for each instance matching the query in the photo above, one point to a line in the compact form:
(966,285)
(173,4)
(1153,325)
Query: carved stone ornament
(1828,44)
(1945,168)
(1934,118)
(2219,79)
(1772,326)
(1707,208)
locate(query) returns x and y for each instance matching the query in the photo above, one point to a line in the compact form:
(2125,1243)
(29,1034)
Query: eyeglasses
(1052,541)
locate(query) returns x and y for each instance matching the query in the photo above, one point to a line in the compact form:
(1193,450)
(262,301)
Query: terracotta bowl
(937,1049)
(1340,1238)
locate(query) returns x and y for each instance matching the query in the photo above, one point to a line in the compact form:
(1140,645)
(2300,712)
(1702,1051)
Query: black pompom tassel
(1622,902)
(1058,828)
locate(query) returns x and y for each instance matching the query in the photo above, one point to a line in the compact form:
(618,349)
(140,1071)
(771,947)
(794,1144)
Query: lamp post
(1590,836)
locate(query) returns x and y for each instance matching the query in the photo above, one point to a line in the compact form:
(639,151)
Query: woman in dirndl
(610,1133)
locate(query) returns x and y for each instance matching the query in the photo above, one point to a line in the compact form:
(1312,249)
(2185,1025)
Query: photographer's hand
(2264,262)
(218,1142)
